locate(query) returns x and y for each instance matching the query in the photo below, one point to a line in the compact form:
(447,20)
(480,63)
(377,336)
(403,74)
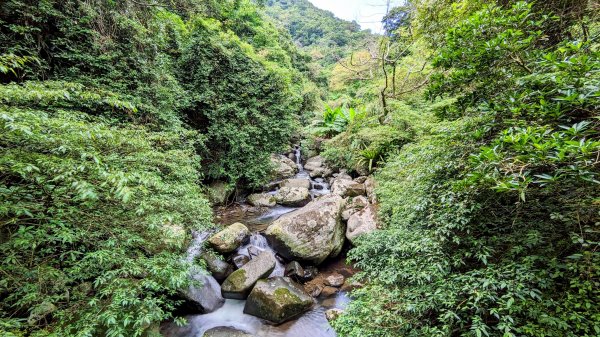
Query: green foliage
(336,120)
(491,215)
(244,109)
(107,110)
(83,203)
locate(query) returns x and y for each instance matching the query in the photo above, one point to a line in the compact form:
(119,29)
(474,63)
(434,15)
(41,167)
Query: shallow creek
(312,323)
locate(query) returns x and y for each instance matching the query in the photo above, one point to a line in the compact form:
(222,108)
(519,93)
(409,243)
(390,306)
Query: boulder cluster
(281,282)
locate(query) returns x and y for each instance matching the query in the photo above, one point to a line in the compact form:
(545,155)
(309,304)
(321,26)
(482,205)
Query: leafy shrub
(491,216)
(94,215)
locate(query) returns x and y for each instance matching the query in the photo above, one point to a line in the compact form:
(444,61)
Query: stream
(313,323)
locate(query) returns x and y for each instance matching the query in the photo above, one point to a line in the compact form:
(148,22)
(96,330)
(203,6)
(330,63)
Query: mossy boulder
(219,268)
(293,196)
(240,282)
(230,238)
(261,200)
(312,233)
(218,192)
(283,167)
(277,300)
(296,182)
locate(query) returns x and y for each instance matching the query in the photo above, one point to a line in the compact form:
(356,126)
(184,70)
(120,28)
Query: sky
(368,13)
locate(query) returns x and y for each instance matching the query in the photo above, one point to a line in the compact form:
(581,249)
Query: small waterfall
(207,295)
(259,243)
(298,155)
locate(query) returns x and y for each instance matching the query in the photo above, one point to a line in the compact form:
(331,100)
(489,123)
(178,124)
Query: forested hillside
(481,124)
(462,145)
(113,115)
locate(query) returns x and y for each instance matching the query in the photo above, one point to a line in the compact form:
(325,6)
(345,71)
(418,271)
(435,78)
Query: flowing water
(312,323)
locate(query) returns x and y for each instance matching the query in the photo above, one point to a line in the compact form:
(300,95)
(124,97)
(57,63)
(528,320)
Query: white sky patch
(368,13)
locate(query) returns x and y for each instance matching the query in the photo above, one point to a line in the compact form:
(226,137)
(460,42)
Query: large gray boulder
(292,196)
(230,238)
(261,200)
(277,300)
(354,206)
(283,167)
(304,183)
(362,222)
(347,187)
(204,295)
(316,167)
(312,233)
(240,282)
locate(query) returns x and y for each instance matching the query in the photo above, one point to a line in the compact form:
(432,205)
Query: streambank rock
(205,297)
(347,187)
(354,206)
(316,167)
(292,196)
(223,331)
(230,238)
(218,192)
(362,222)
(240,282)
(304,183)
(312,233)
(335,280)
(219,268)
(277,299)
(261,200)
(370,189)
(283,167)
(332,314)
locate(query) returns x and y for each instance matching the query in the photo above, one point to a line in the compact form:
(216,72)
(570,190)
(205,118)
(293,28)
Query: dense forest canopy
(478,119)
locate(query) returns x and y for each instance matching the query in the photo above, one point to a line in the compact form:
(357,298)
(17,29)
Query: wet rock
(261,200)
(219,268)
(310,272)
(223,331)
(347,188)
(218,192)
(241,281)
(204,295)
(304,183)
(254,251)
(334,280)
(283,167)
(313,290)
(355,205)
(361,179)
(292,196)
(329,291)
(370,186)
(312,233)
(278,299)
(230,238)
(362,222)
(333,313)
(240,260)
(294,270)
